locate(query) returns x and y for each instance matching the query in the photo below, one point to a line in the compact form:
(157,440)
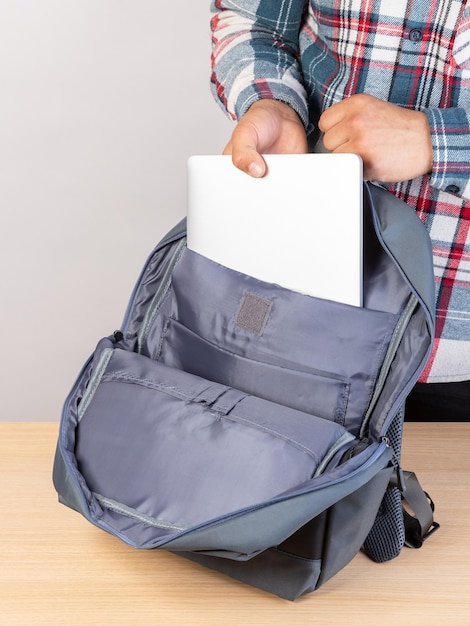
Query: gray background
(101,103)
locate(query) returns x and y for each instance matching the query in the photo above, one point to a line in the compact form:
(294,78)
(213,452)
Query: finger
(332,116)
(249,161)
(243,147)
(337,139)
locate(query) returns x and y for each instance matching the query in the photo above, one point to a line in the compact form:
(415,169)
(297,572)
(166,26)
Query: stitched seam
(123,509)
(238,418)
(145,382)
(160,295)
(94,382)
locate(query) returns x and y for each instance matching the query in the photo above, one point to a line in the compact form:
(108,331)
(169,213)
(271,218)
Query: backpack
(253,429)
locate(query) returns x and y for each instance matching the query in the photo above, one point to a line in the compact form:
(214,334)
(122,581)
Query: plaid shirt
(414,53)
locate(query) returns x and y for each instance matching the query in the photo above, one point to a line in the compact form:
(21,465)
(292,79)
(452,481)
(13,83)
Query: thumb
(244,154)
(249,161)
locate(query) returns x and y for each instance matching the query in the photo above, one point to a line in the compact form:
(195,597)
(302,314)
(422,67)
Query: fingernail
(255,169)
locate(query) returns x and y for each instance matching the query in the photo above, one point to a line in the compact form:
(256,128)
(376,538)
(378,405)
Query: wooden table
(56,568)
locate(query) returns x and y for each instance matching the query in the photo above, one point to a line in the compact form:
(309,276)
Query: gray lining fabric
(194,450)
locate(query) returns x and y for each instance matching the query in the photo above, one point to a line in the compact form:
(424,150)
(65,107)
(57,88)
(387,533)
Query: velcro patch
(253,313)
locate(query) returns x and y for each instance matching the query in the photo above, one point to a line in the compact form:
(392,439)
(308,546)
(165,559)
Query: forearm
(450,135)
(254,55)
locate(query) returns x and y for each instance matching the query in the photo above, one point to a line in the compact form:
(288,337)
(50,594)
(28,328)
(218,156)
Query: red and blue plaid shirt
(414,53)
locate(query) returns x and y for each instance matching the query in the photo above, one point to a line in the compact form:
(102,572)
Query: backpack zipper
(395,341)
(159,295)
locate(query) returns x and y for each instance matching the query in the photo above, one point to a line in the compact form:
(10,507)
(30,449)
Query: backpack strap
(418,510)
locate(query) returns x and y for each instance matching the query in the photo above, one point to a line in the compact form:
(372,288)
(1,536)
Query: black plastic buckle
(432,529)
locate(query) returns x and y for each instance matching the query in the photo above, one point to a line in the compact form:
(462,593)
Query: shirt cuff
(272,90)
(450,135)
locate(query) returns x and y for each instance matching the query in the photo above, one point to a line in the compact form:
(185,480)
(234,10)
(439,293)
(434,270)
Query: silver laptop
(299,227)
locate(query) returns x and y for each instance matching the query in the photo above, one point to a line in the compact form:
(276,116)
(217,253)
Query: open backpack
(251,428)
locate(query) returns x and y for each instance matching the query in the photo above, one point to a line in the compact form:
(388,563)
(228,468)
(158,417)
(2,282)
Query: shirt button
(452,189)
(415,35)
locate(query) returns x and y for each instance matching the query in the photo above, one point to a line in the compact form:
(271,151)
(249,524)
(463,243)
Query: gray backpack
(253,429)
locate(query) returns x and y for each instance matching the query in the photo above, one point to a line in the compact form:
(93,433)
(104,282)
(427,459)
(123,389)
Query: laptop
(299,227)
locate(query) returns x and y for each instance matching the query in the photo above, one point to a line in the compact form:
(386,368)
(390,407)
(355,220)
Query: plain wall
(101,103)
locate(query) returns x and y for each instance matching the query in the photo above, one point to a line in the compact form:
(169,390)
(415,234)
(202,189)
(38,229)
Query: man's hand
(394,143)
(268,127)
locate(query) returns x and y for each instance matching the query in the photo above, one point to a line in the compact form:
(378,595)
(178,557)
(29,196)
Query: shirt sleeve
(450,134)
(255,51)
